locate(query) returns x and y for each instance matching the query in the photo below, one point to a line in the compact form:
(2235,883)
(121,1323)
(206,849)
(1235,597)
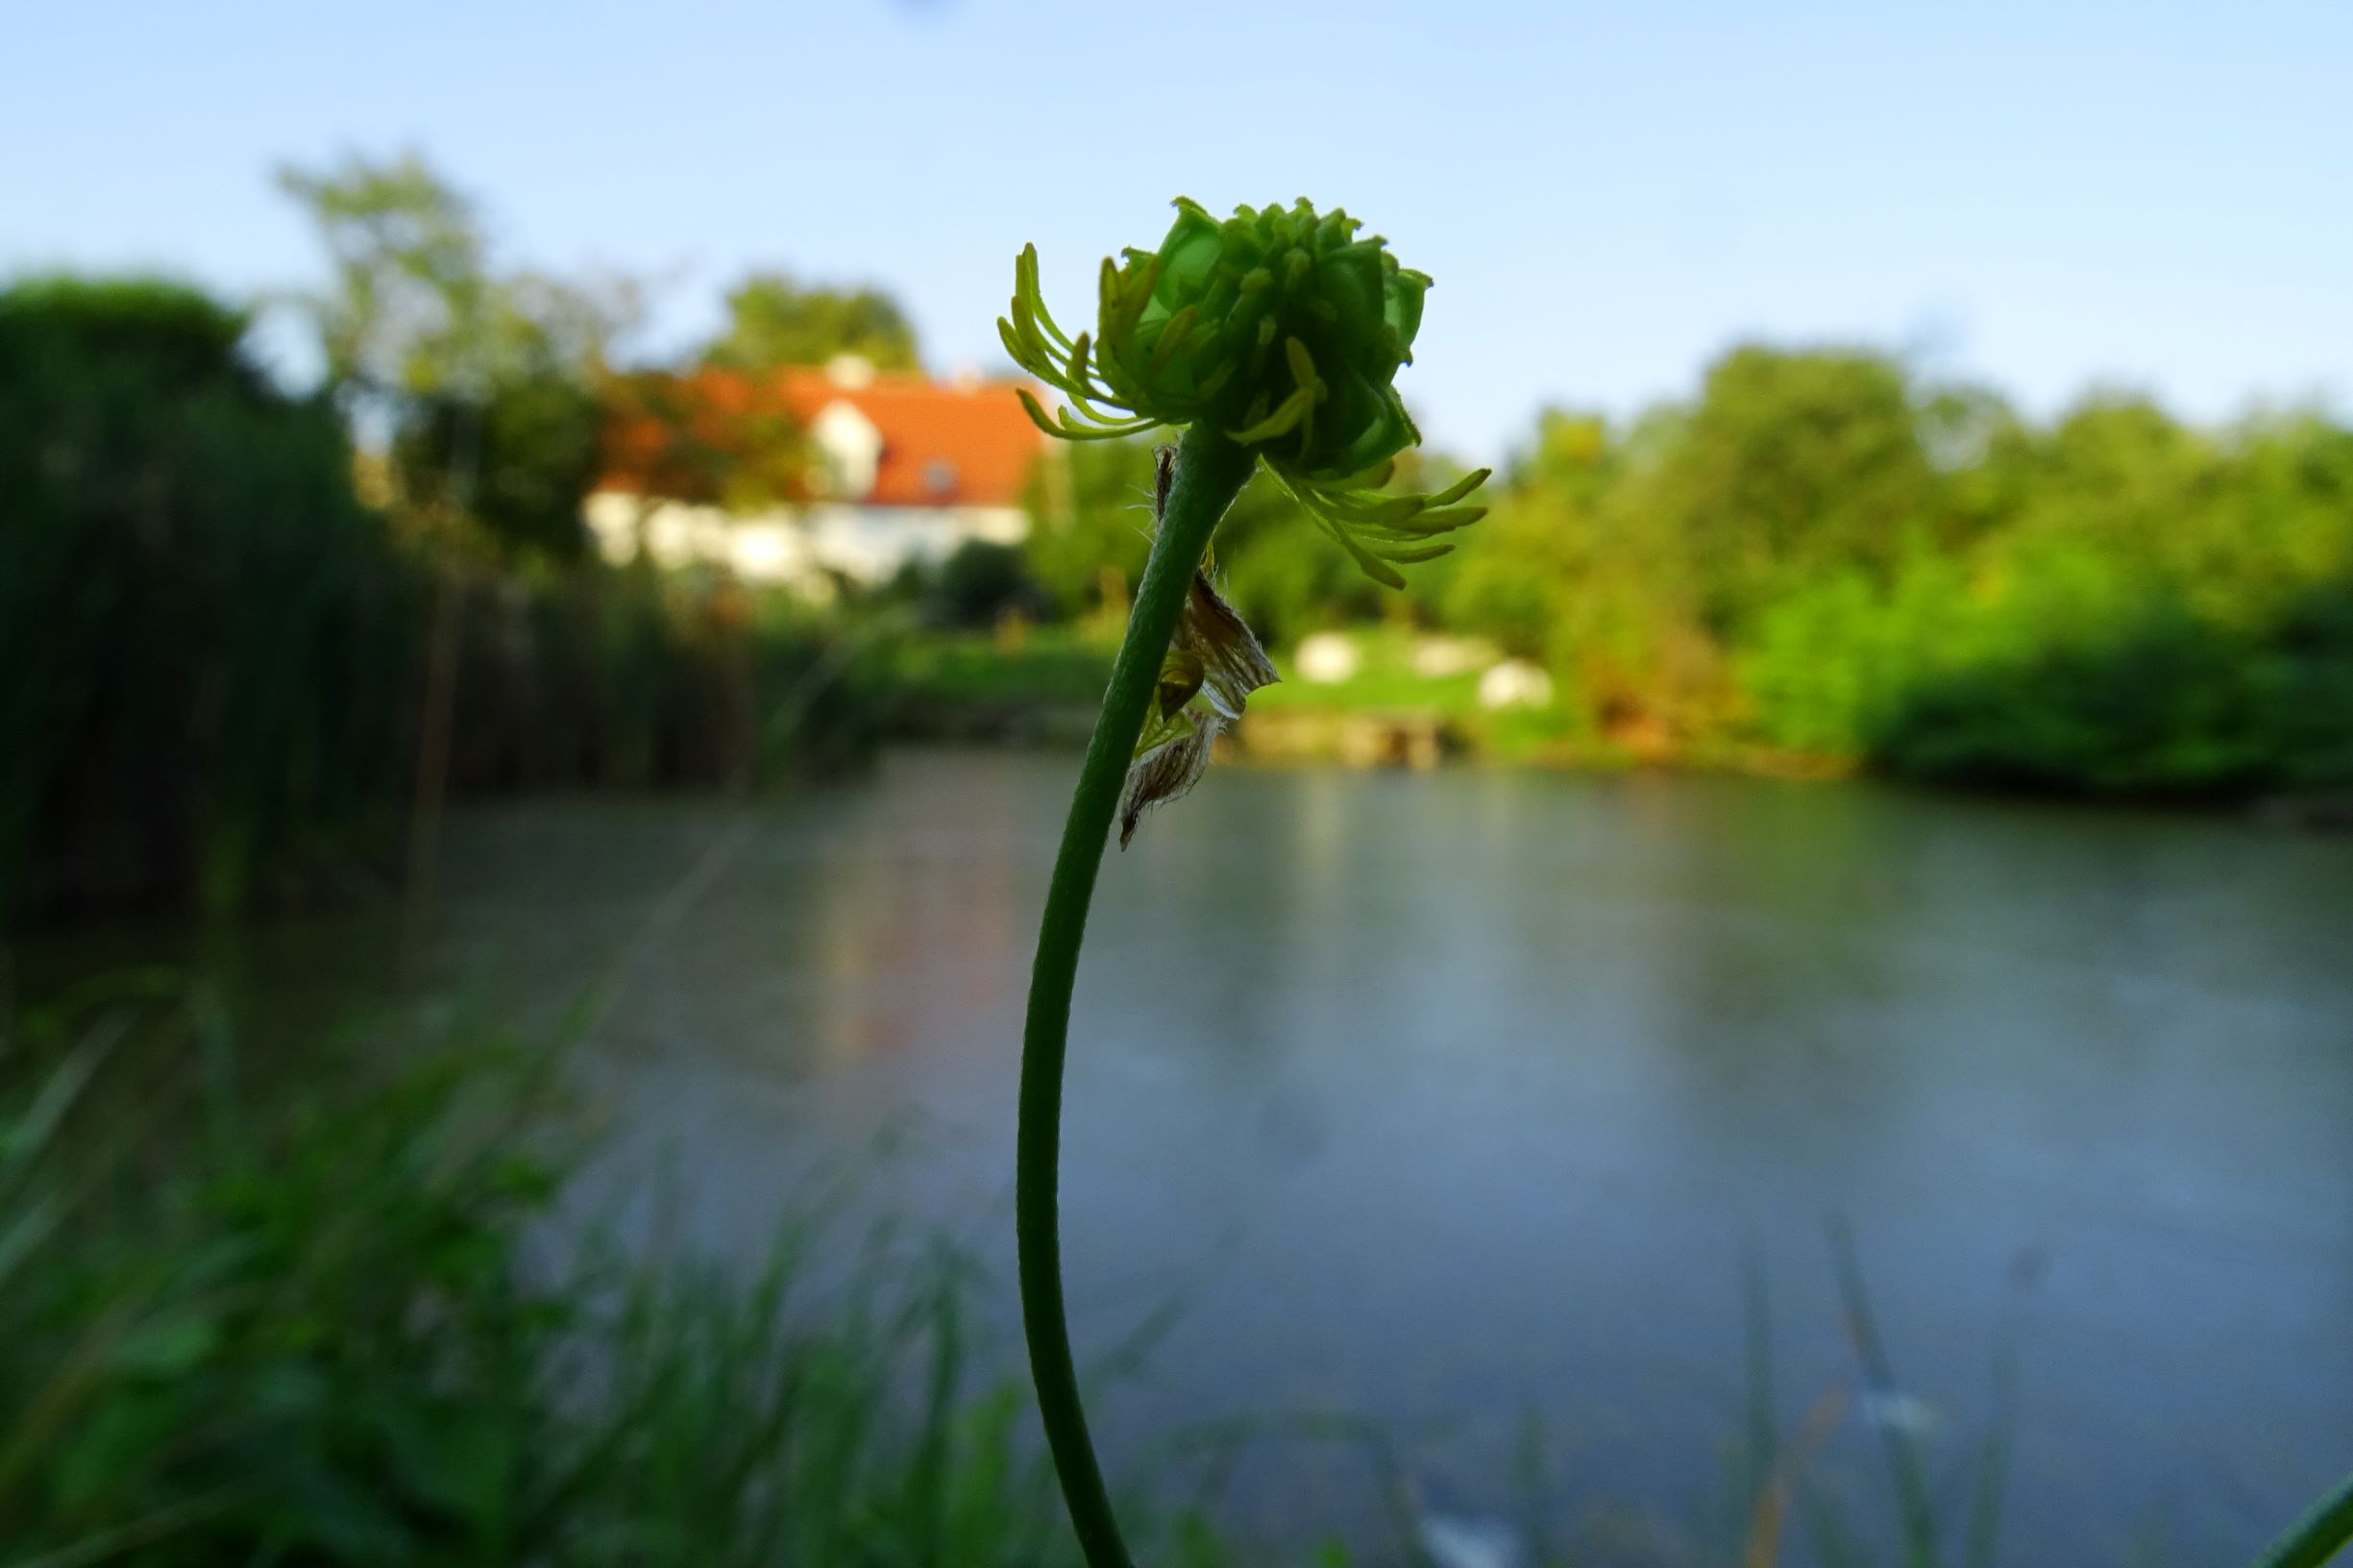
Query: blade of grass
(1764,1542)
(1917,1516)
(2316,1537)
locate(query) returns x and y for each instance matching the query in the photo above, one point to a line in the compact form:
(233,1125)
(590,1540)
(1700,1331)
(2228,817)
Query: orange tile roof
(943,445)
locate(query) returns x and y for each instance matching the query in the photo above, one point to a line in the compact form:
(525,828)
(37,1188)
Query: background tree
(404,313)
(1514,577)
(1091,521)
(703,441)
(1791,465)
(1090,505)
(773,321)
(482,384)
(1819,552)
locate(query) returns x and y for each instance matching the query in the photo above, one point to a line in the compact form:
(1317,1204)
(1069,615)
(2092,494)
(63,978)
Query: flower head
(1281,329)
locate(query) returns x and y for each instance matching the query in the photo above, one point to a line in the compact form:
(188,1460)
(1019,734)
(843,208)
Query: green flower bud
(1280,328)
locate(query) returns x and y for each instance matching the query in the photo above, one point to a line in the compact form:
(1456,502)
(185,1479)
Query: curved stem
(2319,1535)
(1209,473)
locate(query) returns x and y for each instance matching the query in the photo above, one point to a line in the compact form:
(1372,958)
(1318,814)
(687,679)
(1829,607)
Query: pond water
(1455,1101)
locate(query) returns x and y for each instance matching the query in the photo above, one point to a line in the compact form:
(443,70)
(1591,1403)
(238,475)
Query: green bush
(198,631)
(517,463)
(213,657)
(1819,554)
(1825,557)
(980,581)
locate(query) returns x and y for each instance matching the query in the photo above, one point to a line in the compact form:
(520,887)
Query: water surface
(1453,1100)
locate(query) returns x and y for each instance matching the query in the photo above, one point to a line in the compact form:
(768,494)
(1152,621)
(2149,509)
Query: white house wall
(869,544)
(795,546)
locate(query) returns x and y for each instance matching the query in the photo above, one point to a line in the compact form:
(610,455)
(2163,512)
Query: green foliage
(1091,509)
(627,679)
(211,653)
(198,634)
(1090,522)
(1044,683)
(308,1327)
(773,321)
(247,1316)
(1791,466)
(1822,562)
(670,437)
(519,461)
(1822,555)
(484,379)
(981,581)
(1384,680)
(2159,613)
(1541,536)
(1284,580)
(410,288)
(2158,700)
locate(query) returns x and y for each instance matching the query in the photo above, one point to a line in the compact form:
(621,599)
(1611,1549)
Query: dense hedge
(212,654)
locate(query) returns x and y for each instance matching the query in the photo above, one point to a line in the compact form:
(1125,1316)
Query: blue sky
(2043,197)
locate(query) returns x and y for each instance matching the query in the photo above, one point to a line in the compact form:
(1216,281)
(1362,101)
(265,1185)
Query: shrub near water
(212,656)
(197,632)
(2161,613)
(1820,556)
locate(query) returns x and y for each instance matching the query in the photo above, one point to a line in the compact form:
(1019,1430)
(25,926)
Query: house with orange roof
(886,470)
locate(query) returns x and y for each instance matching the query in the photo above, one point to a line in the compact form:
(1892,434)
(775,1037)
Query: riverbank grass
(324,1325)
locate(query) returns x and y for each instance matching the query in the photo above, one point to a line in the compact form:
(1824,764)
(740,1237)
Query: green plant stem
(2319,1535)
(1209,473)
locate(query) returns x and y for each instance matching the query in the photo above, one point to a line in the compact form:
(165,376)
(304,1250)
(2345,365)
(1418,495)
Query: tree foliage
(211,652)
(484,383)
(195,639)
(1821,552)
(1090,505)
(773,321)
(410,296)
(702,439)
